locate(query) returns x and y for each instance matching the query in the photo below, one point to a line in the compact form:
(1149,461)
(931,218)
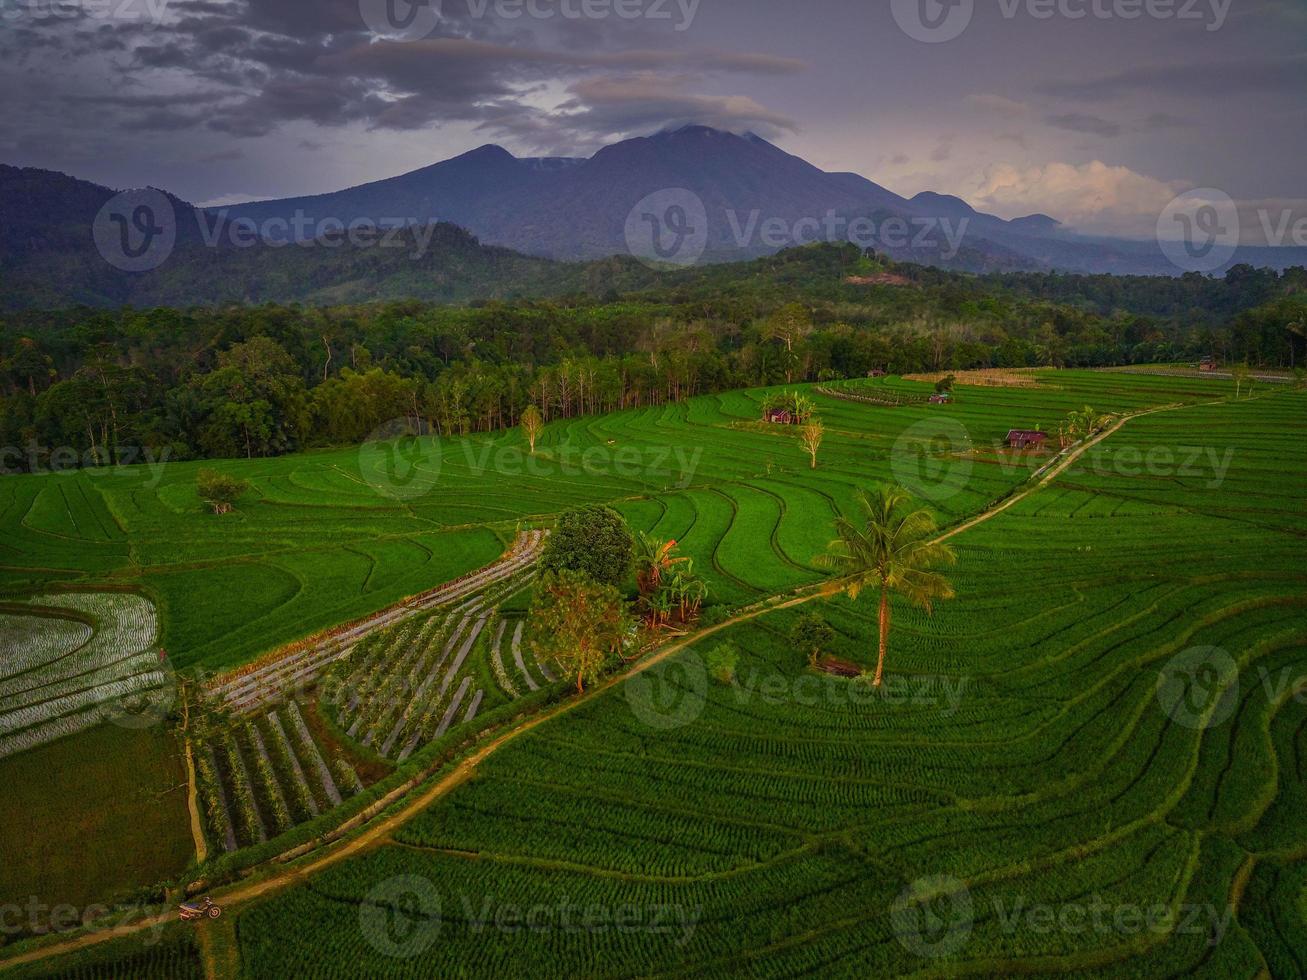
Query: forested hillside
(265,380)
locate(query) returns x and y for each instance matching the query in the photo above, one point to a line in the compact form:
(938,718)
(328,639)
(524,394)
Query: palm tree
(891,547)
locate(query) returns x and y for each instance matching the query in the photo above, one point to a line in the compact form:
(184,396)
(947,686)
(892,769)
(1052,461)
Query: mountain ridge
(518,218)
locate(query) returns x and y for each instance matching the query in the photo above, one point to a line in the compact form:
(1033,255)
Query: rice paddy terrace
(1033,764)
(331,537)
(1106,729)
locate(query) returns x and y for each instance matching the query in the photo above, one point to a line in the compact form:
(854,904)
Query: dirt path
(1054,470)
(218,949)
(193,805)
(376,833)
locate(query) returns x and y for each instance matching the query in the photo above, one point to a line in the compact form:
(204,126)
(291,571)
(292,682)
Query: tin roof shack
(1026,439)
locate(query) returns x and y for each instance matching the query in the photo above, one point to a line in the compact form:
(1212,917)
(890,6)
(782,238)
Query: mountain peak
(947,204)
(487,153)
(1036,223)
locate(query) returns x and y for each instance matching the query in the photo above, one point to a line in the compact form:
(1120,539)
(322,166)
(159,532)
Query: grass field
(1022,765)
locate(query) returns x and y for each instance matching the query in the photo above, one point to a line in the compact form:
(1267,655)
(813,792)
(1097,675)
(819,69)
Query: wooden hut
(1026,439)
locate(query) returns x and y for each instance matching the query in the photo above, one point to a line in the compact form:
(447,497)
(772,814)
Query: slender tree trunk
(884,635)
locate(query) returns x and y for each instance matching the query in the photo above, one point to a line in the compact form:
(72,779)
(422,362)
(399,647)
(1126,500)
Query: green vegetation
(219,491)
(119,793)
(100,388)
(1019,755)
(592,541)
(579,623)
(722,661)
(812,636)
(173,956)
(891,547)
(326,538)
(1017,747)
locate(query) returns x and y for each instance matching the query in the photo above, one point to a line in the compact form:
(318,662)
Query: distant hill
(487,225)
(48,259)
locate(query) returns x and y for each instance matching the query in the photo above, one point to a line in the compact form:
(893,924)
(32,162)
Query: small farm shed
(941,399)
(1207,364)
(875,373)
(1026,439)
(780,416)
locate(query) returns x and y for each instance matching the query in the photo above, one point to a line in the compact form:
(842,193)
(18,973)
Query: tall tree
(811,438)
(532,425)
(889,547)
(1240,373)
(579,623)
(592,540)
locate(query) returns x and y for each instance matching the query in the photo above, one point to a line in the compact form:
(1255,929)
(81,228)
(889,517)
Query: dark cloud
(1081,122)
(249,84)
(1285,75)
(223,156)
(1164,120)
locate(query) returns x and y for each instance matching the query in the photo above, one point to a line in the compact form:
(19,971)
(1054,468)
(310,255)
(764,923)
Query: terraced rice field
(1023,760)
(331,537)
(70,661)
(1047,748)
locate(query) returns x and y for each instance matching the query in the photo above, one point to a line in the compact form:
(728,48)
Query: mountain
(49,259)
(456,191)
(487,224)
(1036,224)
(578,209)
(755,197)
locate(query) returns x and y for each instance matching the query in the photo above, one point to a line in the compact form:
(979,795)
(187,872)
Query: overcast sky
(1097,119)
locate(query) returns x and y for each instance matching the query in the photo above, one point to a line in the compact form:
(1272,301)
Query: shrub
(722,660)
(813,636)
(219,490)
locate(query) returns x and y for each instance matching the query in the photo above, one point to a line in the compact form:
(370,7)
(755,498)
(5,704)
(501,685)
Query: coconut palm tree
(891,546)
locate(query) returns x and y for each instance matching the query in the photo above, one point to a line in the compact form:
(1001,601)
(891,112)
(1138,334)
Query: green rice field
(1091,762)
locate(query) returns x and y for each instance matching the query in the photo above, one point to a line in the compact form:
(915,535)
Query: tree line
(268,380)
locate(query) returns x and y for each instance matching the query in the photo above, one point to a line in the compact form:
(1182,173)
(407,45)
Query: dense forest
(98,387)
